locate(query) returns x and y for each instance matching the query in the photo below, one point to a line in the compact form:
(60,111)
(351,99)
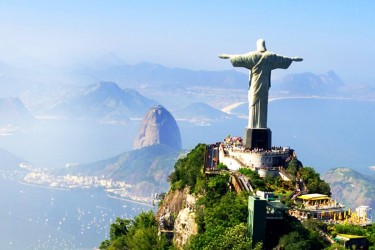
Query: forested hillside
(221,216)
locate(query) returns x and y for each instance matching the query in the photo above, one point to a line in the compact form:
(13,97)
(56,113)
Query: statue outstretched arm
(297,59)
(224,56)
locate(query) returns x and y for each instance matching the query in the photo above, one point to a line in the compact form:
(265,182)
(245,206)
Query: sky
(330,35)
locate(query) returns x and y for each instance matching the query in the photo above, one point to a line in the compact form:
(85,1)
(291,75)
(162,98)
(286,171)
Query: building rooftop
(350,236)
(314,197)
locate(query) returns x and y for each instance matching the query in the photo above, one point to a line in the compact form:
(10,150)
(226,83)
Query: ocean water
(325,133)
(43,218)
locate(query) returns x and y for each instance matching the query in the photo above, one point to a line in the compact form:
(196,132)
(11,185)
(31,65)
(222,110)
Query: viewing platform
(234,155)
(324,208)
(318,206)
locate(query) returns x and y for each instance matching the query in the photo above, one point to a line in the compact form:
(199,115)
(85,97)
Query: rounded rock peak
(158,127)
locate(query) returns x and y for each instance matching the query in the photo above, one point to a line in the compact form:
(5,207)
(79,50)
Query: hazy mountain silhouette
(112,67)
(308,84)
(200,112)
(14,113)
(104,101)
(150,77)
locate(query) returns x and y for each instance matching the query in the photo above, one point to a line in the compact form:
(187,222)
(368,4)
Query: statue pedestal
(257,138)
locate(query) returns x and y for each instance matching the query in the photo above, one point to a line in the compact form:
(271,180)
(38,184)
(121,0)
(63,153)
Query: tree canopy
(188,171)
(221,214)
(313,182)
(140,233)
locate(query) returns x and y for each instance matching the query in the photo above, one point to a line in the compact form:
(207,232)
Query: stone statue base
(257,138)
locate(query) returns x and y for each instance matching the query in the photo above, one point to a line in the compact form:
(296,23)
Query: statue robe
(260,65)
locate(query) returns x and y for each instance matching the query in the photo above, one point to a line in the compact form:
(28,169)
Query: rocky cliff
(178,214)
(158,127)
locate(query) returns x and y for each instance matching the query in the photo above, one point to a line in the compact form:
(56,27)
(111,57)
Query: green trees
(313,182)
(119,227)
(221,213)
(348,229)
(368,231)
(293,241)
(299,235)
(221,166)
(140,233)
(222,223)
(231,238)
(370,235)
(221,217)
(293,166)
(189,170)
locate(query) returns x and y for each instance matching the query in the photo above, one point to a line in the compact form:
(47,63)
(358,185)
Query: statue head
(261,45)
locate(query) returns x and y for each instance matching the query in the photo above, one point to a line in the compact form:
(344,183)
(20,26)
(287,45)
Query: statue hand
(297,59)
(224,56)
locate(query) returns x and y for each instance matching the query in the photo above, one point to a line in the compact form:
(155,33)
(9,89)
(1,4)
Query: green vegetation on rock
(313,182)
(188,171)
(221,214)
(293,166)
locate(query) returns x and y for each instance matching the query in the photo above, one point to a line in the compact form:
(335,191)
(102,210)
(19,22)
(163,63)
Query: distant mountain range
(104,101)
(177,88)
(112,67)
(158,76)
(307,84)
(13,113)
(107,102)
(167,86)
(200,114)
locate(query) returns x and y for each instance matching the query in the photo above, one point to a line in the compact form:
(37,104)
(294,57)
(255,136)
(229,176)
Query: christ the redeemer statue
(260,64)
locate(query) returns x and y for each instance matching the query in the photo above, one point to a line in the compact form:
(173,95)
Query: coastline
(229,108)
(129,200)
(67,189)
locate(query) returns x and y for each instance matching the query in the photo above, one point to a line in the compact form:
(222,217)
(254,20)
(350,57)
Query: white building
(265,162)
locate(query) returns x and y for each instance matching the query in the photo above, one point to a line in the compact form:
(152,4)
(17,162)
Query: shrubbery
(222,214)
(293,166)
(188,171)
(221,217)
(313,182)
